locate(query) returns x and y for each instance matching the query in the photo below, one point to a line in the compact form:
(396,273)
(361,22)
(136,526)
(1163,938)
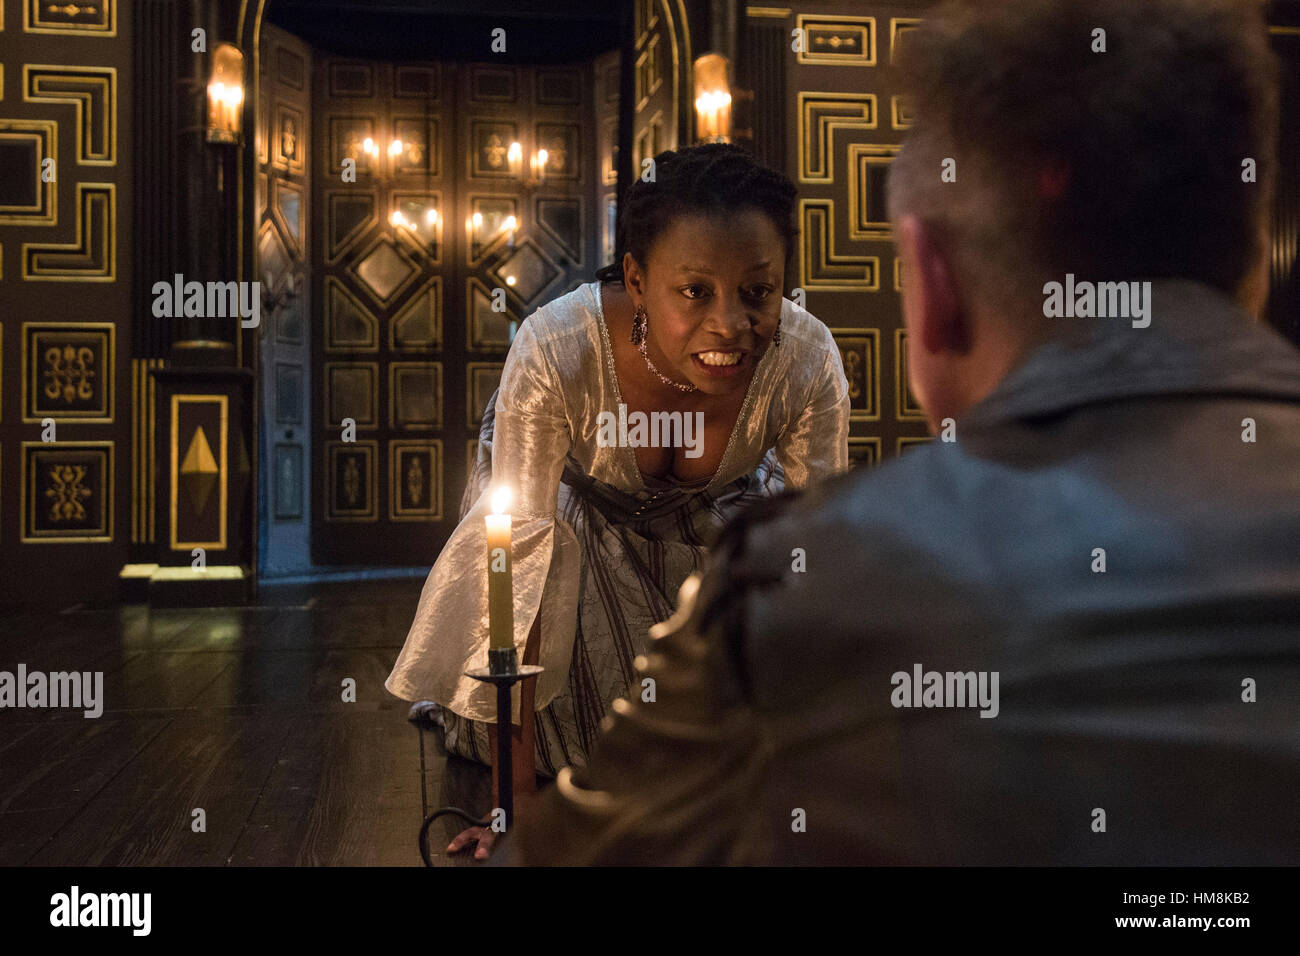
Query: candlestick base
(503,670)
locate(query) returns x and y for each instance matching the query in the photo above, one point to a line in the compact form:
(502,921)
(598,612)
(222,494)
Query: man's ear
(942,323)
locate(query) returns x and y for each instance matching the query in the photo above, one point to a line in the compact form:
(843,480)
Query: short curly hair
(708,178)
(1146,140)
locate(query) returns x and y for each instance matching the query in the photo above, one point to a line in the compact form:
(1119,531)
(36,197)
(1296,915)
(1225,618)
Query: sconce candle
(712,98)
(225,95)
(501,611)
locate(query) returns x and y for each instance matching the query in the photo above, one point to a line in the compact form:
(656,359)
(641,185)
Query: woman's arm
(816,444)
(530,439)
(531,433)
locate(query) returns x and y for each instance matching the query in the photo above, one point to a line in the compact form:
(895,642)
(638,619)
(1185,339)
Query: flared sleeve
(531,439)
(816,443)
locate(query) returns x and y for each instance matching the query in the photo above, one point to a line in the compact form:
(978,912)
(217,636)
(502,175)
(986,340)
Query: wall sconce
(536,165)
(420,222)
(712,99)
(226,95)
(483,231)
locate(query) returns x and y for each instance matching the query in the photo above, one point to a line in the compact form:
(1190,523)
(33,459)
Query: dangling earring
(776,336)
(638,326)
(640,322)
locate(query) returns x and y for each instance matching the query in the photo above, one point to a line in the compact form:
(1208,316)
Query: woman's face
(712,296)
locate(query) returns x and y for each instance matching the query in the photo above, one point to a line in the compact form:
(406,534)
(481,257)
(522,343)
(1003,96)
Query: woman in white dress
(614,505)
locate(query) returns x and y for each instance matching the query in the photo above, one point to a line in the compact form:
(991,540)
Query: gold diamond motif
(199,472)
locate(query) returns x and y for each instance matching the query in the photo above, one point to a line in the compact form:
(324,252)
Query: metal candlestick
(503,670)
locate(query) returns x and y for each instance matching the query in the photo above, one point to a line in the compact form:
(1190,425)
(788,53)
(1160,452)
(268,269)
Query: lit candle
(542,156)
(501,611)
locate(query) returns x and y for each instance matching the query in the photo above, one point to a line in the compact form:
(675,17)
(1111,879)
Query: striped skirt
(635,554)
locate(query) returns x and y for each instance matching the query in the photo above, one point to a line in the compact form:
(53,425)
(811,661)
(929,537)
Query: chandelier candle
(501,613)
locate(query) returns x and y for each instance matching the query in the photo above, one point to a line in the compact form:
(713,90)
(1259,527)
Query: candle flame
(500,500)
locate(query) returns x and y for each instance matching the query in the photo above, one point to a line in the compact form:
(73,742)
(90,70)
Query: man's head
(1107,139)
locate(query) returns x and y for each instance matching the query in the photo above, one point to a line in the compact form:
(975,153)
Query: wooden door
(284,239)
(408,259)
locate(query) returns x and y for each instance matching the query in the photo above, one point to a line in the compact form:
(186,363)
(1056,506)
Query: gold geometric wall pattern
(199,443)
(67,492)
(349,325)
(900,112)
(198,472)
(481,380)
(350,485)
(348,216)
(415,395)
(92,91)
(351,391)
(820,116)
(487,329)
(415,480)
(820,266)
(860,356)
(837,40)
(868,166)
(899,27)
(419,323)
(68,371)
(143,450)
(25,200)
(384,269)
(908,409)
(864,451)
(92,257)
(89,17)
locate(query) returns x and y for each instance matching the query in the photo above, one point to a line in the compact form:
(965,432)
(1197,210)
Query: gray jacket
(1147,713)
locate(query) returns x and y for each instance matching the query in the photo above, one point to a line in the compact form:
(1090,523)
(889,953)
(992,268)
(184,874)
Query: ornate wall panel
(840,100)
(94,18)
(26,197)
(67,492)
(73,440)
(68,371)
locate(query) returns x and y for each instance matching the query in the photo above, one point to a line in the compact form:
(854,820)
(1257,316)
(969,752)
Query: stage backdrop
(406,343)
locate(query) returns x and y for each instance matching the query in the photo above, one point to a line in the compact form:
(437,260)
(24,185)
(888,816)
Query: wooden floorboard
(239,712)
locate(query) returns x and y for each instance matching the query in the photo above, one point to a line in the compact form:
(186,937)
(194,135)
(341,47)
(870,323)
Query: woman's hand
(485,837)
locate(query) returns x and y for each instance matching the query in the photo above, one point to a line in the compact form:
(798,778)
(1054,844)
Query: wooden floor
(236,711)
